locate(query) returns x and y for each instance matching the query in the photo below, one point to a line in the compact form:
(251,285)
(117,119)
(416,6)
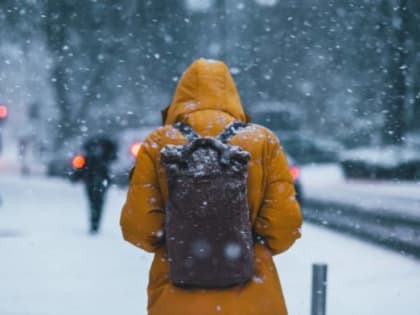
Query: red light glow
(295,172)
(78,161)
(3,111)
(135,148)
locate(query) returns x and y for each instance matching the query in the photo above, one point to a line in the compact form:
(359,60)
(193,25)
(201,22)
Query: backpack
(208,230)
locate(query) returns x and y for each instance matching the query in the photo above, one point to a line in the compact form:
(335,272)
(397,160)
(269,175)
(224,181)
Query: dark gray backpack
(207,228)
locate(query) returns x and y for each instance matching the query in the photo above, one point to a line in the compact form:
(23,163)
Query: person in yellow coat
(206,99)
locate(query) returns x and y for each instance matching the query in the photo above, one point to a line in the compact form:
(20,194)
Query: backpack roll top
(232,159)
(207,227)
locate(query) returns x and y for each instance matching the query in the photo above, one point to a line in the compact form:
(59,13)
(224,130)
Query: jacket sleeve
(279,219)
(142,216)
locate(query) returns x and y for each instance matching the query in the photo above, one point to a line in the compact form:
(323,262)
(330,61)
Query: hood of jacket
(205,85)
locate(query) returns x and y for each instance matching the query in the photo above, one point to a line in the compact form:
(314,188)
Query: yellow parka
(206,98)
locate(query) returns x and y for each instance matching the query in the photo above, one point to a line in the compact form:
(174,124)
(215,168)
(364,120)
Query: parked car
(390,162)
(309,149)
(59,162)
(277,115)
(285,120)
(295,172)
(129,143)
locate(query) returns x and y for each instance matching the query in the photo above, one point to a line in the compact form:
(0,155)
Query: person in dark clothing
(99,152)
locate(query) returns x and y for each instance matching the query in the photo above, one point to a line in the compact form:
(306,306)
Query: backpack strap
(231,130)
(186,130)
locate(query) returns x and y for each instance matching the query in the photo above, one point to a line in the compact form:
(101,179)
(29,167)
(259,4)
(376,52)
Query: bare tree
(56,24)
(394,99)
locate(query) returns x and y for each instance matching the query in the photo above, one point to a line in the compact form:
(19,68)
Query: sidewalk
(53,266)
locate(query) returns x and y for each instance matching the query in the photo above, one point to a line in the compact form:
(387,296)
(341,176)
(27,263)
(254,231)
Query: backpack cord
(186,130)
(231,130)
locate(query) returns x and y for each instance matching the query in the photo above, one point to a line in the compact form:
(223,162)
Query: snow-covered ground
(49,265)
(327,183)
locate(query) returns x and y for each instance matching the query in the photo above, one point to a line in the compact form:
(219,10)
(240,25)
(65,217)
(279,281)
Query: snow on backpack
(207,228)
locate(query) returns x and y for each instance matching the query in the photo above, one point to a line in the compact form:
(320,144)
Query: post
(319,289)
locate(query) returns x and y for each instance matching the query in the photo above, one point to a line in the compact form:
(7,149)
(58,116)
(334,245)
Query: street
(50,265)
(89,89)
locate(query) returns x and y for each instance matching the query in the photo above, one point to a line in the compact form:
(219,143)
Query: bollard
(319,289)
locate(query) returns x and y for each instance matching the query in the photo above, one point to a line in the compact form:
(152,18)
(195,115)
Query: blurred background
(337,81)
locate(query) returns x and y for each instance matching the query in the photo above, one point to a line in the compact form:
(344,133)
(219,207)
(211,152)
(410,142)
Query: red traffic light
(3,111)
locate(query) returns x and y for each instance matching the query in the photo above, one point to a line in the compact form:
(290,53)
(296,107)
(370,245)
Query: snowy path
(49,265)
